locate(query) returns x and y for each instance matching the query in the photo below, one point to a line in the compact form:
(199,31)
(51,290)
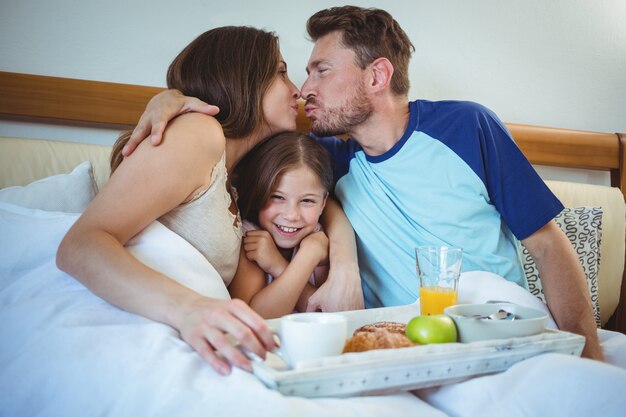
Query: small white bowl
(527,322)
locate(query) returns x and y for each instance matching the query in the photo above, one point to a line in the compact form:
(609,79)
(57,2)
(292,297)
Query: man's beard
(343,119)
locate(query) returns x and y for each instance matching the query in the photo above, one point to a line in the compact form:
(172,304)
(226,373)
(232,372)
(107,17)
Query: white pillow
(70,193)
(30,238)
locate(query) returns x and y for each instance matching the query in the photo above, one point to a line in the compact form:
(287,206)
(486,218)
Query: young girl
(284,255)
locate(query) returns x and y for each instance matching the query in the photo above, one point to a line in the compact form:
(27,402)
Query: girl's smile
(294,207)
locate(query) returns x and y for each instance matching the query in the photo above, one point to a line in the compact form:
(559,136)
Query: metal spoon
(500,315)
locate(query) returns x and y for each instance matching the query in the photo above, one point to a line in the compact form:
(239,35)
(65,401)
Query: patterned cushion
(583,227)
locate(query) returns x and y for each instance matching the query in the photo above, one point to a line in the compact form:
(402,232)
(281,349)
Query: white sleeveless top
(208,225)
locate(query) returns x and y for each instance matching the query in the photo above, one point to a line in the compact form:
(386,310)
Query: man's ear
(381,71)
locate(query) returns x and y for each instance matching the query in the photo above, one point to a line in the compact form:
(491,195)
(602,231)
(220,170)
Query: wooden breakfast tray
(388,370)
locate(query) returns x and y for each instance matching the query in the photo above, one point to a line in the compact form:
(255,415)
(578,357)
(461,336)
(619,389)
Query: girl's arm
(282,294)
(342,290)
(144,187)
(249,279)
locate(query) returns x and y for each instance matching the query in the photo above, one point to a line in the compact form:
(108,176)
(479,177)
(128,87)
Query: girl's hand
(209,327)
(316,244)
(260,248)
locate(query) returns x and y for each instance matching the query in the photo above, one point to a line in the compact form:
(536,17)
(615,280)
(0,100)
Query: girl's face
(280,102)
(294,207)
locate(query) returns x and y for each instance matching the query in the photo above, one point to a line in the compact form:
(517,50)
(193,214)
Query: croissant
(380,335)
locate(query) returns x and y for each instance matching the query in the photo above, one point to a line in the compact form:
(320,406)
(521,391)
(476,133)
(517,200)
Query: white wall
(555,63)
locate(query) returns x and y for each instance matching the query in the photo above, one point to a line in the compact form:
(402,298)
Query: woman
(185,186)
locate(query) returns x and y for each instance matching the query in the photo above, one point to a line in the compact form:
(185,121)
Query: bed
(66,352)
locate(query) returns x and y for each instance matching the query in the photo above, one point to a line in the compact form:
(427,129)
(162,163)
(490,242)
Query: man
(429,173)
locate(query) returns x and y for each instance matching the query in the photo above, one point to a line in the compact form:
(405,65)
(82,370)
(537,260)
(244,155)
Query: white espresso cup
(307,336)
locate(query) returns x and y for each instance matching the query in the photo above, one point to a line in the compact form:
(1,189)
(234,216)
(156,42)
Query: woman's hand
(209,326)
(162,108)
(261,248)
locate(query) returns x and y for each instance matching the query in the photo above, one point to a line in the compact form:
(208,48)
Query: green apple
(431,329)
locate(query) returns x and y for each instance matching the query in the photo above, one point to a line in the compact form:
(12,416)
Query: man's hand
(341,291)
(160,110)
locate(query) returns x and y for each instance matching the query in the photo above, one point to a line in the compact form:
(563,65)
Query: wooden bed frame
(35,98)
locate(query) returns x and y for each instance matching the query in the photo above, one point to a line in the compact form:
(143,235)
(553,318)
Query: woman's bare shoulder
(192,145)
(196,129)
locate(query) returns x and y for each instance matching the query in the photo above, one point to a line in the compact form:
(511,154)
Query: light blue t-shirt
(455,178)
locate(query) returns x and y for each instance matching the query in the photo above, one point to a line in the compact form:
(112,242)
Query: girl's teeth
(287,229)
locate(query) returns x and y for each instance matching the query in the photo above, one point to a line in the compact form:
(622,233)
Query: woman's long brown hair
(231,67)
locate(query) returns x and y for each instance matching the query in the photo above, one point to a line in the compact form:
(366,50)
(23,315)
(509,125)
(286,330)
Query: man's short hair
(371,34)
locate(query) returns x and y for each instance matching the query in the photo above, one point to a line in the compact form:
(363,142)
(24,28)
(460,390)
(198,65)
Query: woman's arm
(342,290)
(144,187)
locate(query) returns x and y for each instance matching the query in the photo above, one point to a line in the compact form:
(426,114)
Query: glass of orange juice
(438,269)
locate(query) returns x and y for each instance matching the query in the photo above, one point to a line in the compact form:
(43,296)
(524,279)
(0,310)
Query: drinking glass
(438,269)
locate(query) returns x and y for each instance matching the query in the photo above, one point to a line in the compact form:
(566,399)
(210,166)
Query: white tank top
(207,223)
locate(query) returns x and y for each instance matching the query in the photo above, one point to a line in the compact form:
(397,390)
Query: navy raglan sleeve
(523,199)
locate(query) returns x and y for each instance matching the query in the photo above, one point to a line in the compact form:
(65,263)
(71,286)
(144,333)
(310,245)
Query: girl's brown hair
(231,67)
(257,173)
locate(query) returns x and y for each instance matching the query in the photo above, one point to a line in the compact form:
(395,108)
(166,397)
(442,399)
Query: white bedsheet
(65,352)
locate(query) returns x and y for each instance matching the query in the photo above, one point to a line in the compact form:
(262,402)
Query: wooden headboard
(39,98)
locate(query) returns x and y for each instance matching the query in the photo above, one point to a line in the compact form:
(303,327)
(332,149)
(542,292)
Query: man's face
(336,99)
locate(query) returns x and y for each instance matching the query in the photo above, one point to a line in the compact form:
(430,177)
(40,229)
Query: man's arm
(160,110)
(342,289)
(564,285)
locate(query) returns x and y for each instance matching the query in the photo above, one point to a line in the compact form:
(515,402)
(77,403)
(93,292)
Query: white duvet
(66,352)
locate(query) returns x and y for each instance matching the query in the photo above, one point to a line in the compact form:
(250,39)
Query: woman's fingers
(226,349)
(215,348)
(224,325)
(255,328)
(246,327)
(207,353)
